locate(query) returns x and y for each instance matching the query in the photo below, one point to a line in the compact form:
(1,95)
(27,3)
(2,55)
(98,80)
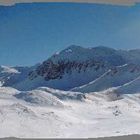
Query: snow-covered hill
(43,113)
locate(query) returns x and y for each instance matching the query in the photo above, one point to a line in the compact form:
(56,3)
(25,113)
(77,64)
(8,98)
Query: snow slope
(131,87)
(114,77)
(6,72)
(39,97)
(94,116)
(14,78)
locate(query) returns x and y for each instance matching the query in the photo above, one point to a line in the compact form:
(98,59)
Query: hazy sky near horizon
(30,33)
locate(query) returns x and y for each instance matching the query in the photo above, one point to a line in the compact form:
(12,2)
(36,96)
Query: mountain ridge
(72,67)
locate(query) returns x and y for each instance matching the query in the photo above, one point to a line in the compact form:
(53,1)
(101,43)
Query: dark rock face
(50,70)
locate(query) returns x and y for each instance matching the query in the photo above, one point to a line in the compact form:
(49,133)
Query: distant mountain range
(78,69)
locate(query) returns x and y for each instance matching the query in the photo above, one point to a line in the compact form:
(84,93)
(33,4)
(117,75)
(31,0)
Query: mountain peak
(74,47)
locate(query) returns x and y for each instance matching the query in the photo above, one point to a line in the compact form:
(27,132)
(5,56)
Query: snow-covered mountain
(72,67)
(76,66)
(95,68)
(131,56)
(114,77)
(130,87)
(105,95)
(10,76)
(6,73)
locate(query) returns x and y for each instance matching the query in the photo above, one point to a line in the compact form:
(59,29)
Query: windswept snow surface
(50,113)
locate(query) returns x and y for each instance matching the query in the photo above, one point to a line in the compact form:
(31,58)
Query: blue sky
(30,33)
